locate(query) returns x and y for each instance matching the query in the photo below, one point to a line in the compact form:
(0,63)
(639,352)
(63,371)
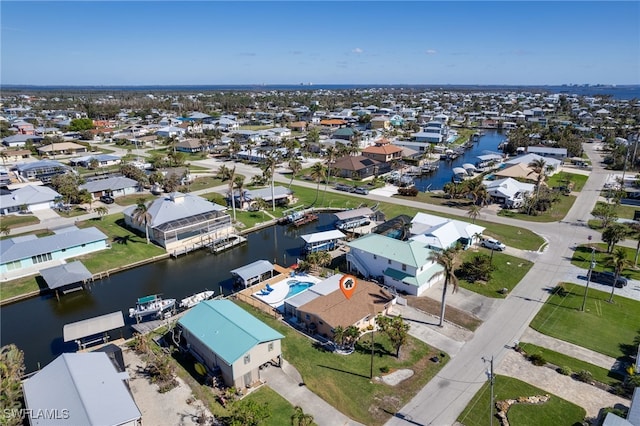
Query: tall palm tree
(232,175)
(318,173)
(102,211)
(619,262)
(539,166)
(238,183)
(296,166)
(270,164)
(5,230)
(447,259)
(331,157)
(474,212)
(141,216)
(635,232)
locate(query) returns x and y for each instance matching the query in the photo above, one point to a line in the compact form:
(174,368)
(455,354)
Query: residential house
(190,145)
(509,192)
(63,148)
(439,233)
(282,195)
(343,133)
(101,160)
(29,198)
(403,265)
(328,307)
(115,186)
(42,170)
(359,167)
(14,155)
(383,151)
(170,131)
(545,151)
(18,141)
(23,127)
(178,221)
(221,335)
(333,122)
(298,126)
(380,122)
(80,389)
(28,254)
(520,171)
(552,164)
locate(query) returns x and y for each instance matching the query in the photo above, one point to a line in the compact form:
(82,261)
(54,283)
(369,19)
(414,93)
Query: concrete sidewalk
(287,382)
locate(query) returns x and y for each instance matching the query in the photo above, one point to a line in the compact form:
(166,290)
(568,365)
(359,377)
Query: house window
(270,346)
(375,256)
(247,359)
(307,317)
(320,322)
(41,258)
(13,265)
(389,261)
(404,267)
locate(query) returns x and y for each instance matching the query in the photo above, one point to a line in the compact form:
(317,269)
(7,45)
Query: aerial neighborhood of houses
(177,172)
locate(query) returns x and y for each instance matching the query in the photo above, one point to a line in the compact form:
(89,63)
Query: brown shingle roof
(336,310)
(382,149)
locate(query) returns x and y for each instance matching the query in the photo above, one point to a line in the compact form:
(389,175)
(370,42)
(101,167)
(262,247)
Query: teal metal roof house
(222,335)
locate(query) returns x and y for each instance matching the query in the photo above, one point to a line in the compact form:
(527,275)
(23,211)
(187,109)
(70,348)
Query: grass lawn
(343,381)
(203,182)
(608,328)
(554,412)
(129,200)
(600,374)
(18,287)
(623,211)
(508,272)
(582,258)
(18,220)
(566,178)
(134,248)
(281,410)
(557,211)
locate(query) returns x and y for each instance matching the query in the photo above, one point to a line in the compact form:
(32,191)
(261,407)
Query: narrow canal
(35,325)
(488,144)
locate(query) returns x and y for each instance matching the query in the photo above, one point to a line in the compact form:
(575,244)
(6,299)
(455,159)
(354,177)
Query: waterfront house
(80,389)
(101,160)
(546,151)
(403,265)
(326,307)
(509,192)
(439,233)
(42,170)
(282,196)
(190,146)
(181,222)
(223,336)
(116,186)
(383,151)
(359,167)
(552,165)
(253,273)
(26,255)
(30,197)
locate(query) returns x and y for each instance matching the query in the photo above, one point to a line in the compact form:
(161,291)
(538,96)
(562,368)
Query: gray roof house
(80,389)
(182,221)
(29,254)
(282,196)
(34,197)
(42,170)
(20,140)
(114,186)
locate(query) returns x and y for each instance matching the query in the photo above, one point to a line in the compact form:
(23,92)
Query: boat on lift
(191,301)
(152,305)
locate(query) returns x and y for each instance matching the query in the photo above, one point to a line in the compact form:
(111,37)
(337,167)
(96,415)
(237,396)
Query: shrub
(560,290)
(537,359)
(584,376)
(565,371)
(408,192)
(384,369)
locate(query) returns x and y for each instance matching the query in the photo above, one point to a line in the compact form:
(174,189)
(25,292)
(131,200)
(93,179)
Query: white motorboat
(191,301)
(151,305)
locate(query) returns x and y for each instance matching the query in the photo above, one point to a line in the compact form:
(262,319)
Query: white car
(492,244)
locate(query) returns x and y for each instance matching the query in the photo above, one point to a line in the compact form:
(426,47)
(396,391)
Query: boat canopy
(147,299)
(72,274)
(459,171)
(350,214)
(92,326)
(322,236)
(468,166)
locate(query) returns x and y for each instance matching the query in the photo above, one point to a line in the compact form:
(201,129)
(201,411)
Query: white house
(33,197)
(508,191)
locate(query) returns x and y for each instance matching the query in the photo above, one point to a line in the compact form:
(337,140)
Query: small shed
(253,273)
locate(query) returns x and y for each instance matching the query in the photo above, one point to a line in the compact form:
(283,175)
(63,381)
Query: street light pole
(591,266)
(491,382)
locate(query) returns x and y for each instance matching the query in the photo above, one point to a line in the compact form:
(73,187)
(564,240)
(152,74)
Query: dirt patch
(452,314)
(396,377)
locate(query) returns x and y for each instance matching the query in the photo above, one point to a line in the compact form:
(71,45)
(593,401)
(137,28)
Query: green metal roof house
(403,265)
(220,334)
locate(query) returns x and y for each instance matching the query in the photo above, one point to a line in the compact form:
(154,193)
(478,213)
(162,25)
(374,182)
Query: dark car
(361,190)
(607,278)
(107,199)
(343,187)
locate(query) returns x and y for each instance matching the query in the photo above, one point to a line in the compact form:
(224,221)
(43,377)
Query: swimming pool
(296,287)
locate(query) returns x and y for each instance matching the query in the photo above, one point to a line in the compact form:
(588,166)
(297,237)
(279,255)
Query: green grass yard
(582,258)
(607,328)
(508,272)
(554,412)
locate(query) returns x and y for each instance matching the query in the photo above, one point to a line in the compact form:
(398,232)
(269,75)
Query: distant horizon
(595,85)
(156,43)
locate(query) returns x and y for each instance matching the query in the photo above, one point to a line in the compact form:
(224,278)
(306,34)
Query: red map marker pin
(348,285)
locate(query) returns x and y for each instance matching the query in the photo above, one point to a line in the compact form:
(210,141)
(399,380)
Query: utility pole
(491,382)
(591,266)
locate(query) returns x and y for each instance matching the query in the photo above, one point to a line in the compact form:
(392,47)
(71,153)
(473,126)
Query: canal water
(35,325)
(488,144)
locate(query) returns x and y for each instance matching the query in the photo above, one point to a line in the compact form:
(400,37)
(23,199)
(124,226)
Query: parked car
(343,187)
(493,244)
(361,190)
(608,278)
(107,199)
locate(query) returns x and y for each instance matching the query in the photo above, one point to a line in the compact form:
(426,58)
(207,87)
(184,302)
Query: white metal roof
(92,326)
(322,236)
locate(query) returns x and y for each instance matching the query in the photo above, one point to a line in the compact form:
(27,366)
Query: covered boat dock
(253,273)
(85,332)
(354,218)
(67,277)
(320,241)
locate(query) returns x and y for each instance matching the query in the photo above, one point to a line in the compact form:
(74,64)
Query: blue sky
(323,42)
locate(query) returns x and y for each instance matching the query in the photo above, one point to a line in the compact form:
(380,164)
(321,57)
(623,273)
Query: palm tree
(338,335)
(232,174)
(141,215)
(102,211)
(238,182)
(300,418)
(5,230)
(296,166)
(447,259)
(331,157)
(635,232)
(11,372)
(318,173)
(619,262)
(270,163)
(474,212)
(538,166)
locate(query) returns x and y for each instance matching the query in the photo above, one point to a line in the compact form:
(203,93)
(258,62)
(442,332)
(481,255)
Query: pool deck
(281,289)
